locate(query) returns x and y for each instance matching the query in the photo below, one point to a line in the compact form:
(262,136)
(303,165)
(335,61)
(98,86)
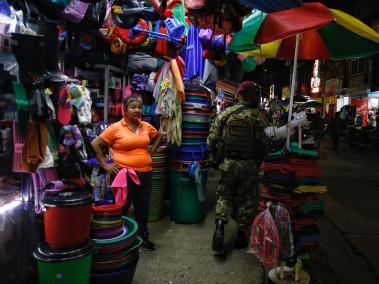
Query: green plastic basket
(156,197)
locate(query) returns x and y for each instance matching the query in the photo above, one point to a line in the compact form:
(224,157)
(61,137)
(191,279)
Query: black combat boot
(218,236)
(242,239)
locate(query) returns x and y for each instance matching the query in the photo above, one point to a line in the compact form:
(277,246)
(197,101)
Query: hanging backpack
(222,16)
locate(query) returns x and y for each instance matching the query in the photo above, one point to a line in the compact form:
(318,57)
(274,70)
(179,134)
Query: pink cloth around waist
(120,184)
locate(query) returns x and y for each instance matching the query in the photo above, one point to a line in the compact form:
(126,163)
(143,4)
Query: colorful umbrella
(321,33)
(325,34)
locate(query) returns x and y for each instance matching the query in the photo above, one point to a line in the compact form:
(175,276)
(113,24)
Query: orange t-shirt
(129,149)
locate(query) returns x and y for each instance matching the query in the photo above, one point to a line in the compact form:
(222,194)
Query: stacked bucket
(158,184)
(117,245)
(186,206)
(66,256)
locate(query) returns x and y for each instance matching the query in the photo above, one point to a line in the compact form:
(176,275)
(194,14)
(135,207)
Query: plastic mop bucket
(64,266)
(185,205)
(67,218)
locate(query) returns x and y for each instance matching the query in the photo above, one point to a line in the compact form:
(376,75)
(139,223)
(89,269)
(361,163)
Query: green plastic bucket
(186,208)
(64,266)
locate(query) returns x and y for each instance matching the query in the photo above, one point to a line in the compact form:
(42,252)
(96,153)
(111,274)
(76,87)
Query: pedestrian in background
(317,128)
(336,127)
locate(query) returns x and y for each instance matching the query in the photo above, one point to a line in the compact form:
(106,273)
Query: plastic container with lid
(64,266)
(67,218)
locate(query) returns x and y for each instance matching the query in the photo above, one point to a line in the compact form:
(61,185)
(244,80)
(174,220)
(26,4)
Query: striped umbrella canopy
(325,34)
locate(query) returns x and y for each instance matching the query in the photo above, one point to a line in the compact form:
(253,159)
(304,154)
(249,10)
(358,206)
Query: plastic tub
(182,166)
(64,266)
(189,154)
(118,259)
(204,125)
(67,218)
(195,117)
(123,276)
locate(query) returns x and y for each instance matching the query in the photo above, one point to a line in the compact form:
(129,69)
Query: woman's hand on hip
(111,168)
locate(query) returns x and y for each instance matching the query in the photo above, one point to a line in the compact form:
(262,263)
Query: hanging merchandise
(223,17)
(75,11)
(140,62)
(168,93)
(194,54)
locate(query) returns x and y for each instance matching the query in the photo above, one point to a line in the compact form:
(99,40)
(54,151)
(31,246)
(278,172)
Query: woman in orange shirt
(128,140)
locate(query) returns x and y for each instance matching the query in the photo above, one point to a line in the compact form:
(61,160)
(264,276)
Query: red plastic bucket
(67,218)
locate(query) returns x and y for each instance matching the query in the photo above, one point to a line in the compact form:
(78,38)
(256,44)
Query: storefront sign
(362,108)
(315,80)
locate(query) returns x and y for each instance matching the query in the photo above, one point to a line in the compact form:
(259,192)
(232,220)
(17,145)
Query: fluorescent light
(9,206)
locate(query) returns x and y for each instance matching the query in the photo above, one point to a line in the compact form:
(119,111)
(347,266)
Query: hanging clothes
(34,150)
(194,54)
(166,93)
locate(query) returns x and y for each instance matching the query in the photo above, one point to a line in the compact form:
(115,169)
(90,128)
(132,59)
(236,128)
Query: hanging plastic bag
(283,224)
(264,241)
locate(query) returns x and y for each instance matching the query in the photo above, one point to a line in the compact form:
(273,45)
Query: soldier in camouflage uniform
(236,148)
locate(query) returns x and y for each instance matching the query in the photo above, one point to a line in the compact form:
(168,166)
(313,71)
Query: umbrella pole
(293,81)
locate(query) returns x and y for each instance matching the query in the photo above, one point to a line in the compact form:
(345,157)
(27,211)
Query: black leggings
(139,195)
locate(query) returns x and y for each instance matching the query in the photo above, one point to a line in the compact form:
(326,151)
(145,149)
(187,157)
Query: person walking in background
(336,127)
(317,128)
(128,140)
(236,147)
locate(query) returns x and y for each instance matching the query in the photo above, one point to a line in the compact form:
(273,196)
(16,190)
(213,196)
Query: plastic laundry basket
(186,208)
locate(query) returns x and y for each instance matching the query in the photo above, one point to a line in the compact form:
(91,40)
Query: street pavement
(350,228)
(349,233)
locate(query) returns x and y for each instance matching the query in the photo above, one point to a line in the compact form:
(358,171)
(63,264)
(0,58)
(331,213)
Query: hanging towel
(34,150)
(120,184)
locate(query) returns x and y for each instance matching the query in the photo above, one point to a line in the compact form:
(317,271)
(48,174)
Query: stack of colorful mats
(117,245)
(158,184)
(293,178)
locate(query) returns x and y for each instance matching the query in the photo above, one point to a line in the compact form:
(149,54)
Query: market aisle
(350,229)
(184,253)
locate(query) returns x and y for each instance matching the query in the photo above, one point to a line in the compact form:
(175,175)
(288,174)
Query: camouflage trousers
(235,193)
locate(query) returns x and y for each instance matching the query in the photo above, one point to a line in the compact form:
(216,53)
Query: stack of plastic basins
(66,256)
(186,206)
(117,246)
(158,184)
